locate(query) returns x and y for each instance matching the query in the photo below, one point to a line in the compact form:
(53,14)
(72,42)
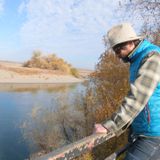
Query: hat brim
(127,40)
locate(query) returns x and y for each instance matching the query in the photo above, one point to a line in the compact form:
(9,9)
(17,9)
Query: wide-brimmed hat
(121,33)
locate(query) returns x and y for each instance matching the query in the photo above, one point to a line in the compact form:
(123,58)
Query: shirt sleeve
(138,96)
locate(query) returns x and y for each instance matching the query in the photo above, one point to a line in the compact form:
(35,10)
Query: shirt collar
(135,53)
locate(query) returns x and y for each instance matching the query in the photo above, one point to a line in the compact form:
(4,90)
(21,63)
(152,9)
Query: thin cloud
(67,27)
(51,18)
(1,6)
(22,7)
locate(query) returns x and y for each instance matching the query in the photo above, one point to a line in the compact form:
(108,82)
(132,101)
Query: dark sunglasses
(119,47)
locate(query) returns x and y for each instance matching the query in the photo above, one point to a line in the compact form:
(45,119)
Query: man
(141,107)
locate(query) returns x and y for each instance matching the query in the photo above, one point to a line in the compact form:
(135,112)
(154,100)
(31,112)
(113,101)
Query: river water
(16,104)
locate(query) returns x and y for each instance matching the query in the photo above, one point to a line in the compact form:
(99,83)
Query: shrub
(108,86)
(74,72)
(51,62)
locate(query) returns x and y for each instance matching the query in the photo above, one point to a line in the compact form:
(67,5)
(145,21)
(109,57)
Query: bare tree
(148,13)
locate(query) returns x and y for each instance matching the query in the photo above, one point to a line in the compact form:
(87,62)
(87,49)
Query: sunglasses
(119,47)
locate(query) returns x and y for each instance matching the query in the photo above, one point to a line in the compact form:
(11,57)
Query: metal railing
(77,148)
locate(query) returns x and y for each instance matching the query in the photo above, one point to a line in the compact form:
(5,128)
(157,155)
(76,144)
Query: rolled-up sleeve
(138,96)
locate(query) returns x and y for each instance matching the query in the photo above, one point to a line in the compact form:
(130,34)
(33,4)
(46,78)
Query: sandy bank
(14,73)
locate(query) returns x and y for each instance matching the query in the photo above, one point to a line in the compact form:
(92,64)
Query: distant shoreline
(14,73)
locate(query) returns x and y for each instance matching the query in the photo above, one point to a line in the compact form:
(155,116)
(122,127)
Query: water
(16,103)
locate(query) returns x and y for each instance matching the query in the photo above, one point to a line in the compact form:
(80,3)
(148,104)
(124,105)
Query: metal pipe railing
(77,148)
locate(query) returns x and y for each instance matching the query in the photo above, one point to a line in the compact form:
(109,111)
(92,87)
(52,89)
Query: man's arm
(140,92)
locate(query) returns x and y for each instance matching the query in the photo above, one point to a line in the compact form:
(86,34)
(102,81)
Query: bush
(51,62)
(74,72)
(108,86)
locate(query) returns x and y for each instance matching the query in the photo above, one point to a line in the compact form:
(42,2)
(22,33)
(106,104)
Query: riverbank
(12,72)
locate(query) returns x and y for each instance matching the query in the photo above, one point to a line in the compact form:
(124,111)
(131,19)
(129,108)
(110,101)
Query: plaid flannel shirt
(138,96)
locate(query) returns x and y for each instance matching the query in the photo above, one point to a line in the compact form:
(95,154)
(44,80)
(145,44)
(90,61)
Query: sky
(71,29)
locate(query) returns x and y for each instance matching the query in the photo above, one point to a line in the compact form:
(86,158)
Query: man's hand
(98,128)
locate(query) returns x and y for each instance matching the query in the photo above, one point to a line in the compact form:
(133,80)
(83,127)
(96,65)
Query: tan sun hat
(121,33)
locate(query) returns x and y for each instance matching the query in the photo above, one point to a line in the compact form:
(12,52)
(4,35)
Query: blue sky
(72,29)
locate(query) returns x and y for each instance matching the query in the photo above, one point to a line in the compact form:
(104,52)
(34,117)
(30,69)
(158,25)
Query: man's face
(122,50)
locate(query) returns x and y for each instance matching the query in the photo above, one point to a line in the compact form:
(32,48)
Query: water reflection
(17,103)
(33,88)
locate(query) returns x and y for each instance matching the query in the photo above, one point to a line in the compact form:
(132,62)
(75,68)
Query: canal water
(16,104)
